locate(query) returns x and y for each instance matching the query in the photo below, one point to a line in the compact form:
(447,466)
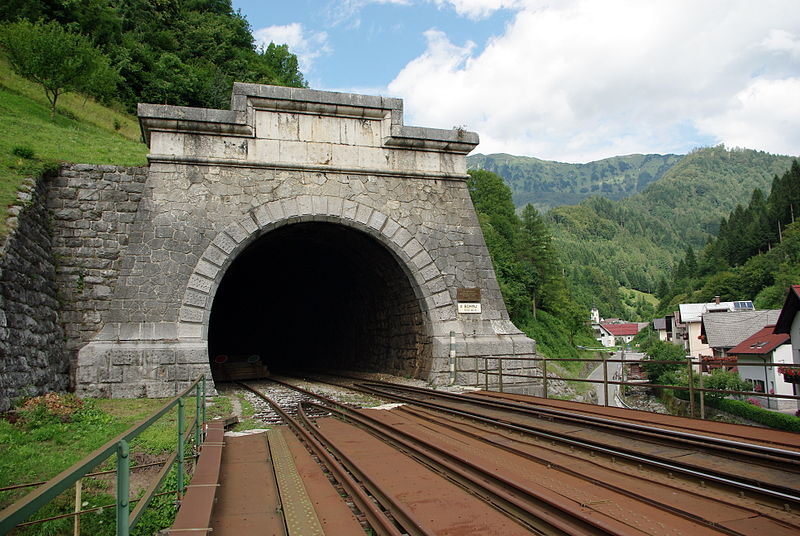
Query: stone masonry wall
(92,208)
(32,357)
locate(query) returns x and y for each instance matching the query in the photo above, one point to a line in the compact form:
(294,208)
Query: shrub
(49,408)
(22,151)
(753,412)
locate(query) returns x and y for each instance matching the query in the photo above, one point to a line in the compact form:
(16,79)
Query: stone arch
(425,278)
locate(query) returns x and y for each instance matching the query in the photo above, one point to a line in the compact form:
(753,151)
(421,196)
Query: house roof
(790,308)
(660,323)
(693,312)
(726,330)
(762,342)
(622,330)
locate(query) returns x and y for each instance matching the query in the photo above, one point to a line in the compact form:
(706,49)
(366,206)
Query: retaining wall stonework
(32,356)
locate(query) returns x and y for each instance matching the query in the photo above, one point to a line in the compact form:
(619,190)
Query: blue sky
(572,80)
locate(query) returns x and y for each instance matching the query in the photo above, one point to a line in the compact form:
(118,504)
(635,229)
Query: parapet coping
(239,120)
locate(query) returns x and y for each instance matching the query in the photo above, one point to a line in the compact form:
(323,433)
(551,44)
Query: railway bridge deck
(492,463)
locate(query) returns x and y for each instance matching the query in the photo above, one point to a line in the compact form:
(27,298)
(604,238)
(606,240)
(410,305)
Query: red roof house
(762,342)
(622,330)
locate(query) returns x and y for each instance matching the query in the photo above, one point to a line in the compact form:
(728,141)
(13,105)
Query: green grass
(39,446)
(82,133)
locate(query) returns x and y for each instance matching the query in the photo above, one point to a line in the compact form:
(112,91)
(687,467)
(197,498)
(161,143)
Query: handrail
(32,502)
(500,373)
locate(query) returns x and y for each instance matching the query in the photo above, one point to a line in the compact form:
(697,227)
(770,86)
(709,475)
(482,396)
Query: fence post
(181,431)
(197,423)
(452,357)
(690,374)
(500,371)
(203,405)
(702,397)
(123,473)
(605,382)
(76,527)
(486,373)
(544,377)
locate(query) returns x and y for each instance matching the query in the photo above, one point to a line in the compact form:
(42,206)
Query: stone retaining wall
(32,356)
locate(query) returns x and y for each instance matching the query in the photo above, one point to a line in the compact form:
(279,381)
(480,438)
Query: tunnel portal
(318,296)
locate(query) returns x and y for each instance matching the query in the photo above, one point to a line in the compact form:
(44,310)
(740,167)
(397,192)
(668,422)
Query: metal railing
(493,373)
(126,520)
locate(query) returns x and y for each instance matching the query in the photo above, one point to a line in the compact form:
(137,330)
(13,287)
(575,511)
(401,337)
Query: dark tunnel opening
(317,296)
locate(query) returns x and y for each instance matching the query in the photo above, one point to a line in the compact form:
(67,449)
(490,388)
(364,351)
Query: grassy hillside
(634,242)
(546,184)
(84,132)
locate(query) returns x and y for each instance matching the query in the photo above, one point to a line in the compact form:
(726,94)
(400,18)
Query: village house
(764,347)
(689,320)
(789,323)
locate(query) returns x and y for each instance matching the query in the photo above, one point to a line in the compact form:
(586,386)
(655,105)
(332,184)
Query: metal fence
(491,372)
(126,520)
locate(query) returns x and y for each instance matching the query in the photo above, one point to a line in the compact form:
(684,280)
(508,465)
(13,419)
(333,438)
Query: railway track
(476,466)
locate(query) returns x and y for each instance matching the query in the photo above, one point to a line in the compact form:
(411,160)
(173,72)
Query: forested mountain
(546,184)
(183,52)
(528,269)
(756,254)
(636,241)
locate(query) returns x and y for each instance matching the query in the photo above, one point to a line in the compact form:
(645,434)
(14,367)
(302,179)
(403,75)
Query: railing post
(181,431)
(486,372)
(702,397)
(452,357)
(197,422)
(690,375)
(76,526)
(605,382)
(203,405)
(500,371)
(123,473)
(544,377)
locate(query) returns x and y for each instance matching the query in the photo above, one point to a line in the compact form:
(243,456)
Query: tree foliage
(756,254)
(59,59)
(525,261)
(182,52)
(659,354)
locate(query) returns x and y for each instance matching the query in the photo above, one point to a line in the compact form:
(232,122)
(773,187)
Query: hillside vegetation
(183,52)
(84,132)
(635,242)
(756,254)
(546,184)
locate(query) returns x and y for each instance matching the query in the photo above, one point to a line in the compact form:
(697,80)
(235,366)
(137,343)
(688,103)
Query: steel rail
(436,419)
(382,525)
(597,447)
(771,454)
(470,482)
(514,508)
(530,509)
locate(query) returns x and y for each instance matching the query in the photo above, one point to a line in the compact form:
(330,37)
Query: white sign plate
(469,308)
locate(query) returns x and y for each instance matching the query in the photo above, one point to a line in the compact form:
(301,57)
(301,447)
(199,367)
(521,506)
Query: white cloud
(582,80)
(765,115)
(307,46)
(478,9)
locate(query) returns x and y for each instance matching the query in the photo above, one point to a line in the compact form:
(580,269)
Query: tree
(57,58)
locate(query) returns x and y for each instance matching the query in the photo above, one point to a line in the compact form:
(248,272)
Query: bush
(752,412)
(23,151)
(49,408)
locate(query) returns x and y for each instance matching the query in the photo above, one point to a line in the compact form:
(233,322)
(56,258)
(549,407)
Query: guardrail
(494,368)
(126,520)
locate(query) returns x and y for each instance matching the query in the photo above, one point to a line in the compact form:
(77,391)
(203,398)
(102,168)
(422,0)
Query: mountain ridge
(547,184)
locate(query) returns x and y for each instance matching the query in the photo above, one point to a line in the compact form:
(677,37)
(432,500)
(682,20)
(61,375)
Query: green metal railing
(493,374)
(120,445)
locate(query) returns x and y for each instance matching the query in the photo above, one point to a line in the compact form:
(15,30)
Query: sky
(566,80)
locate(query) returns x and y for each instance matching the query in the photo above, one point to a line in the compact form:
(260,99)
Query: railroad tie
(298,511)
